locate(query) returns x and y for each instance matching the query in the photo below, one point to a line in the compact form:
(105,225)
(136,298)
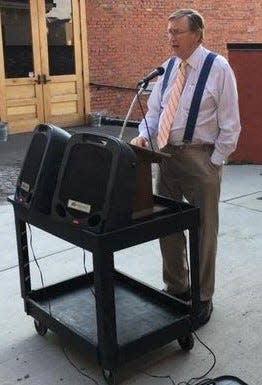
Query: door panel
(62,63)
(24,104)
(41,78)
(21,94)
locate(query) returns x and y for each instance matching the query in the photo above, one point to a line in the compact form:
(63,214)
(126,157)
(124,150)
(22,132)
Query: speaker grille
(86,177)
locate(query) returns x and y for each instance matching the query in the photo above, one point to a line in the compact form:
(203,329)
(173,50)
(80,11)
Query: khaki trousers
(189,174)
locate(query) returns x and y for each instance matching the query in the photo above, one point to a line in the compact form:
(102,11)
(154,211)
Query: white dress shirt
(218,119)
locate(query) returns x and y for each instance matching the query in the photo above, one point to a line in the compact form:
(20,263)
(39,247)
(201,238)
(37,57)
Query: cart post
(103,264)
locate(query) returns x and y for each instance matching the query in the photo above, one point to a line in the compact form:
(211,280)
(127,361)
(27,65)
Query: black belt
(188,146)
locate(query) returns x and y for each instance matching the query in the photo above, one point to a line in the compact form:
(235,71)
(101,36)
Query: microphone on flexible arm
(143,85)
(156,72)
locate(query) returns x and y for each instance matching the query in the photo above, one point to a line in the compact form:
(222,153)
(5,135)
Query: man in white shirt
(194,170)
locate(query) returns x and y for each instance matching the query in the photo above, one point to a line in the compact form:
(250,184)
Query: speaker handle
(102,142)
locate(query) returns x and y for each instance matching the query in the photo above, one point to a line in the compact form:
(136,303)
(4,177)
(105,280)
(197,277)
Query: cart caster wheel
(186,342)
(40,328)
(109,376)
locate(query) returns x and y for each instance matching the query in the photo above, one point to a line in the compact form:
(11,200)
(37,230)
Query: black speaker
(38,176)
(96,183)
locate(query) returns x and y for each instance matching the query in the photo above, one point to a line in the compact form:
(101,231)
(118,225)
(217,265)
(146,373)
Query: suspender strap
(167,74)
(195,104)
(194,108)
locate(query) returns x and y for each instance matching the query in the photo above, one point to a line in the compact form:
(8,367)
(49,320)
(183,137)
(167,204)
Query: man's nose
(172,38)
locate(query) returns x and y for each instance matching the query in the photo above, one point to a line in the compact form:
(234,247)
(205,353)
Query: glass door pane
(60,38)
(17,39)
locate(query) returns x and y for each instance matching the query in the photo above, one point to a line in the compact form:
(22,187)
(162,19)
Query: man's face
(182,40)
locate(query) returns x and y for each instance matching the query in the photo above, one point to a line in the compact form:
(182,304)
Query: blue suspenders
(196,100)
(167,74)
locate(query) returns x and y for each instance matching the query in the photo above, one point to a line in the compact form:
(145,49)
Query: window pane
(60,38)
(17,39)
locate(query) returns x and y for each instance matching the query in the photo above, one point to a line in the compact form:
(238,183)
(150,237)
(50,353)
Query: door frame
(85,57)
(3,110)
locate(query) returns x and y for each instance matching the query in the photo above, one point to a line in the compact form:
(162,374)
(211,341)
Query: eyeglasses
(176,32)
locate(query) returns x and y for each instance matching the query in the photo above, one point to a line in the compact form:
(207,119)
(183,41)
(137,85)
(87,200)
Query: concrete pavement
(233,333)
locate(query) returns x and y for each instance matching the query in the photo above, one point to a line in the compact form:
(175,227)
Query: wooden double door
(43,63)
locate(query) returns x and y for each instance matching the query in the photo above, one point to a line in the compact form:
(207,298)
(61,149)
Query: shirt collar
(196,56)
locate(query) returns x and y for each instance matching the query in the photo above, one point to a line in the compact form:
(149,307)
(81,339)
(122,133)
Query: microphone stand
(139,92)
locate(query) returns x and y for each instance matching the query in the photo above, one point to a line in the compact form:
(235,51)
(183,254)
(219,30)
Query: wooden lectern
(144,200)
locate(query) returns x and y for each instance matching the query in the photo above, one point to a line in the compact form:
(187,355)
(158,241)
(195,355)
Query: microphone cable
(38,266)
(86,272)
(89,280)
(191,381)
(80,371)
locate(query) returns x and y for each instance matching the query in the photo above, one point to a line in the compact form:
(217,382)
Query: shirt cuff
(217,158)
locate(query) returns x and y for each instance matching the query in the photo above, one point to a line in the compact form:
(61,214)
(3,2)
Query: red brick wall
(127,39)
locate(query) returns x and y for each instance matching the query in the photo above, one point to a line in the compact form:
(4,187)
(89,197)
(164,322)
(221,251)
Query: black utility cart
(110,315)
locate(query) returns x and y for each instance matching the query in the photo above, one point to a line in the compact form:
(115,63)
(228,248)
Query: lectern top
(150,155)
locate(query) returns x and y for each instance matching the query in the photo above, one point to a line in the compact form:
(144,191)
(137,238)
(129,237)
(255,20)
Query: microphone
(156,72)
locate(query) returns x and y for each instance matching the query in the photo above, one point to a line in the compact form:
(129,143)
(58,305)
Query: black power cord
(86,272)
(78,369)
(221,379)
(229,378)
(191,381)
(38,266)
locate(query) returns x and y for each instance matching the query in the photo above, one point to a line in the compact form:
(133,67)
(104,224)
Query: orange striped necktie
(171,107)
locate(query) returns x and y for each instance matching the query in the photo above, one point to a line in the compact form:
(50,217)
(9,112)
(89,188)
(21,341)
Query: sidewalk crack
(241,196)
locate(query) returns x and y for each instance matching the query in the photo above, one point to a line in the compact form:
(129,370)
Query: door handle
(45,80)
(41,79)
